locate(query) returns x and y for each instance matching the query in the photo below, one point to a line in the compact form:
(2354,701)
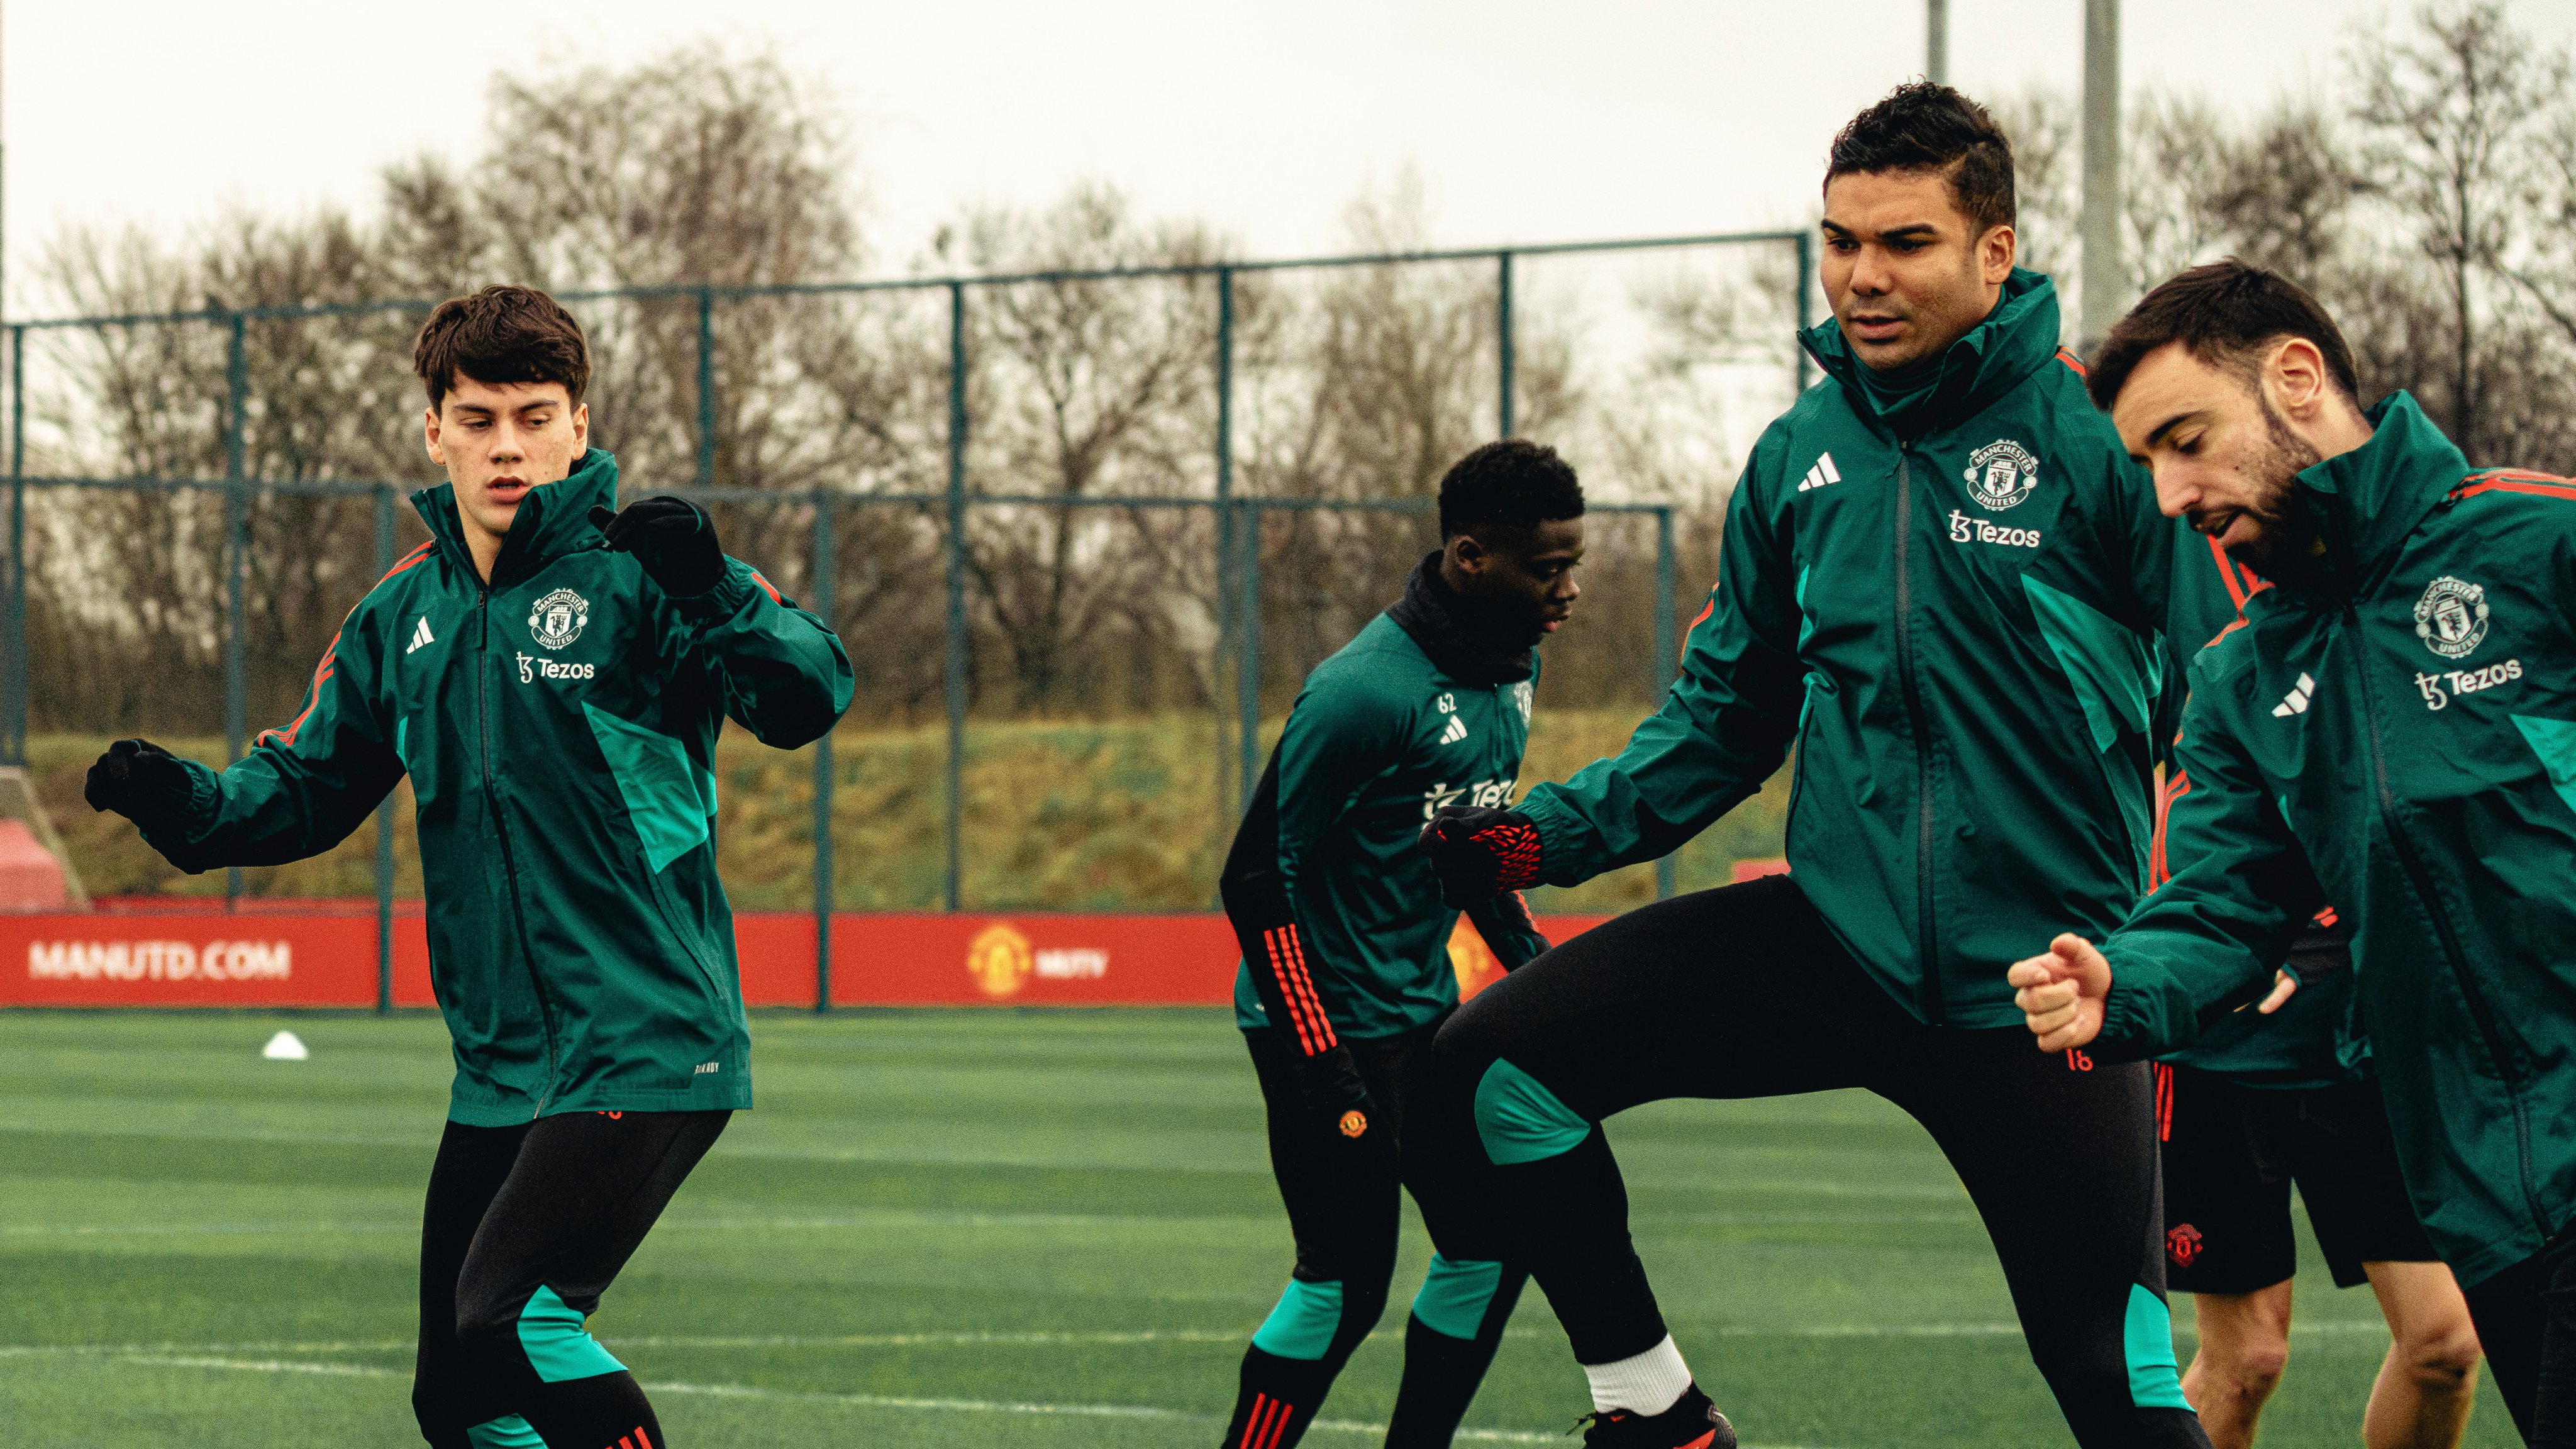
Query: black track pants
(524,1229)
(1745,992)
(1342,1206)
(2526,1320)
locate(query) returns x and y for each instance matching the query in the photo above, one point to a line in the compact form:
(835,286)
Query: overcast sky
(1528,121)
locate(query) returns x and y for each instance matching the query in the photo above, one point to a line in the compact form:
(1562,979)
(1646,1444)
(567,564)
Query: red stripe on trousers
(1288,993)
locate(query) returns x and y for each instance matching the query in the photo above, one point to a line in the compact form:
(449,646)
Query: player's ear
(581,424)
(429,433)
(1996,252)
(1466,552)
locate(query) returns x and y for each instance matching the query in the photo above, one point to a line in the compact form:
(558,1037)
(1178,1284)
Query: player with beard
(1942,581)
(2393,728)
(1346,973)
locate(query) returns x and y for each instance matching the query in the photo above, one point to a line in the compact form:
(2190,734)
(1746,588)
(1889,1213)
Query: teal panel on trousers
(1455,1295)
(2554,741)
(2148,1337)
(1521,1121)
(1302,1325)
(556,1343)
(507,1432)
(670,799)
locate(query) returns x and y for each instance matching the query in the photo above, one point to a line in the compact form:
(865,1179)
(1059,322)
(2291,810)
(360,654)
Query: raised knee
(1519,1120)
(1313,1316)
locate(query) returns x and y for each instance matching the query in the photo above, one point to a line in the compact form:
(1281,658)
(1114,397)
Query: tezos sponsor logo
(1964,529)
(532,669)
(2001,474)
(559,618)
(2465,681)
(1486,794)
(2451,618)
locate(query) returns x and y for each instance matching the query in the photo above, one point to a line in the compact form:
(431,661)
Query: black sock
(604,1411)
(1441,1373)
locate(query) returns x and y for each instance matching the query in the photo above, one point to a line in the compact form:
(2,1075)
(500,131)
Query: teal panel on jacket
(669,797)
(556,1343)
(2147,1335)
(507,1432)
(2554,741)
(2116,677)
(1455,1295)
(1522,1121)
(1302,1325)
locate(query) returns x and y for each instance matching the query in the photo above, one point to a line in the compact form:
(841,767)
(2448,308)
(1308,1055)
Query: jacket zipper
(1927,988)
(501,832)
(2417,878)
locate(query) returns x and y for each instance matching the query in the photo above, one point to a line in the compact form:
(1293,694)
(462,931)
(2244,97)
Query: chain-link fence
(1083,532)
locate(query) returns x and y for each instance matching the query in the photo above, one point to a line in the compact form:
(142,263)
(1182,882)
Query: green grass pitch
(951,1228)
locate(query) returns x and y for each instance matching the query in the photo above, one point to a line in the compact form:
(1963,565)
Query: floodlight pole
(2105,280)
(1936,41)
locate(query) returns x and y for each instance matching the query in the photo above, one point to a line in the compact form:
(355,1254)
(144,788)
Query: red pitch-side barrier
(326,956)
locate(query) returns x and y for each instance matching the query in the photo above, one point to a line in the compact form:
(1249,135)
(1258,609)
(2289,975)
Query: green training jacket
(1952,612)
(1378,739)
(558,729)
(2307,1043)
(2395,729)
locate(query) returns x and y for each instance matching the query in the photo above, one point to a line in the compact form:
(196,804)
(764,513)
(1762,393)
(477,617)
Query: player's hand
(1479,852)
(2061,993)
(1330,1085)
(672,538)
(2283,985)
(136,779)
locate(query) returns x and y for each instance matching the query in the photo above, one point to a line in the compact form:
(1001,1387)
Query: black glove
(1329,1084)
(138,780)
(1479,852)
(672,538)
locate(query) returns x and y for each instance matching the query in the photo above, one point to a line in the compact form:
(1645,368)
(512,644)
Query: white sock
(1647,1384)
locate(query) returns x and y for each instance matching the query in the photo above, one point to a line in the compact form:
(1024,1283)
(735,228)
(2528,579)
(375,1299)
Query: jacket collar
(553,519)
(2016,339)
(2361,505)
(1450,633)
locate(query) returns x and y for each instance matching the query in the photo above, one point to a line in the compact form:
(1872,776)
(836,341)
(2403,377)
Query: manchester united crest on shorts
(2182,1245)
(2001,474)
(2451,618)
(559,618)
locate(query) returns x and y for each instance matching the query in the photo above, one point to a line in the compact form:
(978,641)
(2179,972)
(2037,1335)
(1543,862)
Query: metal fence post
(1503,339)
(236,549)
(1806,309)
(956,590)
(706,387)
(824,565)
(1248,670)
(1248,748)
(13,671)
(1667,662)
(385,807)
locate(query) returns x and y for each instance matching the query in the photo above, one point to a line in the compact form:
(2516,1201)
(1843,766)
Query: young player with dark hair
(553,691)
(1941,581)
(2393,729)
(1346,973)
(2285,1094)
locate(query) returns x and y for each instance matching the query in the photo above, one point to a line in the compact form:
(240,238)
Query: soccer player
(2268,1097)
(1942,581)
(2393,729)
(1346,973)
(554,694)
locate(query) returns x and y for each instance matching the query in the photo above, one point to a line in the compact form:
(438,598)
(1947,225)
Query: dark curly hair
(2221,312)
(1516,483)
(1926,126)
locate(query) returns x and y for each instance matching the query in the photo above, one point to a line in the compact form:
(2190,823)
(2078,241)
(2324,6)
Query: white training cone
(284,1047)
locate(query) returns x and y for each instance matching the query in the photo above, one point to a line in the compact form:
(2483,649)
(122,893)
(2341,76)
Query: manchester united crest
(2001,474)
(2451,618)
(559,618)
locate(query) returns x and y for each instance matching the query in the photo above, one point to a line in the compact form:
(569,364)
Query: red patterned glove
(1480,852)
